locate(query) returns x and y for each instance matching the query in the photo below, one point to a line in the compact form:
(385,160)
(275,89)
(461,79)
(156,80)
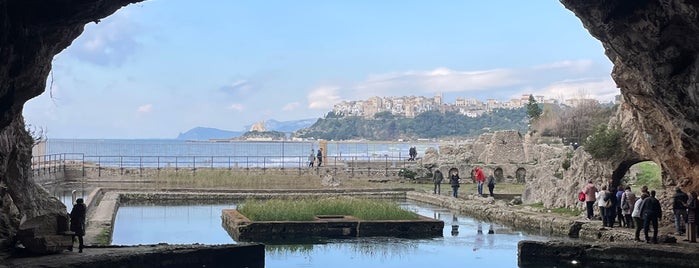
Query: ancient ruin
(651,44)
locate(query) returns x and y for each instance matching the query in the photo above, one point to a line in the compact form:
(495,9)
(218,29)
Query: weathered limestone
(654,46)
(31,34)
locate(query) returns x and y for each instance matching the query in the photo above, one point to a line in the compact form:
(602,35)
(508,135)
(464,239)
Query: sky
(161,67)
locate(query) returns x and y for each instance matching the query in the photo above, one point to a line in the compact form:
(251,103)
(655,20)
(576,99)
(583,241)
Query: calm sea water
(117,147)
(161,153)
(148,224)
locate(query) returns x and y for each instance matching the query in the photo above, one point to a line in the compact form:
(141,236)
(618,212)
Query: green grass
(306,209)
(649,174)
(103,238)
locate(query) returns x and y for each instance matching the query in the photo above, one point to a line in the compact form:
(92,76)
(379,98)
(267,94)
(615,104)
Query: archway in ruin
(499,174)
(621,170)
(521,175)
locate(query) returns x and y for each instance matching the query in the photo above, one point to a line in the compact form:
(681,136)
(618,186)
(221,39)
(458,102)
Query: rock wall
(31,34)
(654,46)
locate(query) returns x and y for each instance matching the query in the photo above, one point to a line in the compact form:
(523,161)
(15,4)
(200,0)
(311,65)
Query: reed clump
(306,209)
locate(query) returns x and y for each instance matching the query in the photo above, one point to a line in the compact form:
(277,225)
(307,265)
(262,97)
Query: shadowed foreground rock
(563,254)
(171,256)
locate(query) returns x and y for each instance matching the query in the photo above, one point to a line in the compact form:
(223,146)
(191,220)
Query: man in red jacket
(480,179)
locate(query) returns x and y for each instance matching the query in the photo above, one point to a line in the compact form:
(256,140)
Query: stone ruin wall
(545,179)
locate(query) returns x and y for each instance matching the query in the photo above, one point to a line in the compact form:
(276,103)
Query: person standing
(651,213)
(590,190)
(679,209)
(77,223)
(491,184)
(312,158)
(437,178)
(636,215)
(692,205)
(412,152)
(454,181)
(619,209)
(480,179)
(609,208)
(319,156)
(628,199)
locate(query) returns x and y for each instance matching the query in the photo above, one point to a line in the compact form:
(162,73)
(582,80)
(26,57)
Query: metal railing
(48,164)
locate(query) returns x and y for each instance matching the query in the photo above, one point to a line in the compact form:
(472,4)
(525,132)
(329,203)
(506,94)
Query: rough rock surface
(31,34)
(654,47)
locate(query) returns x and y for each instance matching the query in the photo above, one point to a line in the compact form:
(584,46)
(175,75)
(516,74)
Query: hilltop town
(412,106)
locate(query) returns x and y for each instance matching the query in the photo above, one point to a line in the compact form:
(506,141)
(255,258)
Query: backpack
(581,196)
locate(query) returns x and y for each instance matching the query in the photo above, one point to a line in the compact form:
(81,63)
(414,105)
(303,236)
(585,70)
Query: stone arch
(499,174)
(521,175)
(621,170)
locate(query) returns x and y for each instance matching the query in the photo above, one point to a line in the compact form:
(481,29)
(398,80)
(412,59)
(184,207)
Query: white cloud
(291,106)
(236,107)
(575,65)
(146,108)
(111,42)
(437,80)
(323,97)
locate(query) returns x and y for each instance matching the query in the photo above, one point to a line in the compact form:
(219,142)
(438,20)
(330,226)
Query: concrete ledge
(105,202)
(551,224)
(243,229)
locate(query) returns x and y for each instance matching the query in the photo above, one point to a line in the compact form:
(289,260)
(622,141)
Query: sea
(136,152)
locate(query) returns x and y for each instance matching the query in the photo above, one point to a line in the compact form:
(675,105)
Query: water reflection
(469,246)
(174,224)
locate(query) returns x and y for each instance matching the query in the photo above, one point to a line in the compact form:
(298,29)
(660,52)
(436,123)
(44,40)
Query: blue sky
(158,68)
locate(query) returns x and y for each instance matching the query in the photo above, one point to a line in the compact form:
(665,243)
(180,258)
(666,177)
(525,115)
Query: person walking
(77,223)
(437,178)
(590,190)
(454,181)
(692,205)
(319,156)
(636,215)
(480,179)
(628,199)
(651,213)
(679,210)
(491,184)
(312,158)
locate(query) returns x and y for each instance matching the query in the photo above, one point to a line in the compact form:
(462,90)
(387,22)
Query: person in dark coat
(319,156)
(77,223)
(609,212)
(651,212)
(679,209)
(454,181)
(437,178)
(491,184)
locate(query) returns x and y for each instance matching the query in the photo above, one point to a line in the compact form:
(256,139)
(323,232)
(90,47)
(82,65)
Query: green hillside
(431,124)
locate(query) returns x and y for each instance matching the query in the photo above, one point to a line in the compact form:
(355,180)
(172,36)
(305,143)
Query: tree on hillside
(533,109)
